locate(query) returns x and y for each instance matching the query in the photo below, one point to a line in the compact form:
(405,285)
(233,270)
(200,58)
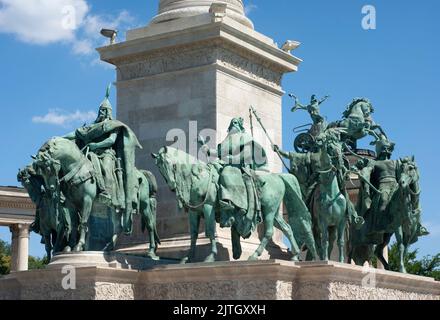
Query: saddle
(239,191)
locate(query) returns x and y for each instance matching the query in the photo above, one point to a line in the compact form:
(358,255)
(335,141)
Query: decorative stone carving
(181,58)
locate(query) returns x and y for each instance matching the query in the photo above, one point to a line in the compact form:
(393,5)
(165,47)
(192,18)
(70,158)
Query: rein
(69,176)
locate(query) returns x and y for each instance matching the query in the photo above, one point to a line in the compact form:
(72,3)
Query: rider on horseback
(239,154)
(113,143)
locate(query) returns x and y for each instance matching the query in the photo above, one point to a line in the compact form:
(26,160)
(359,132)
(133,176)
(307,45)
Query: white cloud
(44,22)
(59,118)
(83,47)
(248,8)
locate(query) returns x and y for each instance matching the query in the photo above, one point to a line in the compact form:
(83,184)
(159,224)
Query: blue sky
(52,80)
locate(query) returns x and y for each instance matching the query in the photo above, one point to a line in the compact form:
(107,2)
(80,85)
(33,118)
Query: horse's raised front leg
(209,213)
(85,214)
(268,233)
(287,231)
(194,224)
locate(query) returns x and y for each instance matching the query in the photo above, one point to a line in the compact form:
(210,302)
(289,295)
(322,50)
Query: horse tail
(300,218)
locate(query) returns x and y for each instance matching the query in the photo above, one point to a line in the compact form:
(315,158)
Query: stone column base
(260,280)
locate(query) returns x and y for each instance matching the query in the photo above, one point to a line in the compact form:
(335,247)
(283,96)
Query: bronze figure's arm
(107,143)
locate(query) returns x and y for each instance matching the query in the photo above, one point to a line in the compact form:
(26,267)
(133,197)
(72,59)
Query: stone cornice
(224,32)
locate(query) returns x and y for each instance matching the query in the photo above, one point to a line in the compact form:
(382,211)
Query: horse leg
(379,250)
(194,224)
(268,233)
(401,246)
(331,239)
(209,213)
(48,246)
(236,244)
(324,239)
(341,240)
(85,214)
(150,223)
(282,225)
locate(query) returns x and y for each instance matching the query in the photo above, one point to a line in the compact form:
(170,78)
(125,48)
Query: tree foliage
(5,259)
(428,266)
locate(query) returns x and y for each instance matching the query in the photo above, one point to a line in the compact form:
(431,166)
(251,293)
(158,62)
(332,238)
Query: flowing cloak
(125,147)
(237,151)
(244,151)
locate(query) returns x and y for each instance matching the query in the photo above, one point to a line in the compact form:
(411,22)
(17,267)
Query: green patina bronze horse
(65,168)
(403,219)
(329,203)
(54,221)
(196,187)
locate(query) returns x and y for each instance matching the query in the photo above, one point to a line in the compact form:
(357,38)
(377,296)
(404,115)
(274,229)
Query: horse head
(331,149)
(408,173)
(167,166)
(49,169)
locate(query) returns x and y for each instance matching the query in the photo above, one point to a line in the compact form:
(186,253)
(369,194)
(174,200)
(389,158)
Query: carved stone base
(262,280)
(105,260)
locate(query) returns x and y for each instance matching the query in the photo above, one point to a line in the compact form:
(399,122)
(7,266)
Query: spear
(252,110)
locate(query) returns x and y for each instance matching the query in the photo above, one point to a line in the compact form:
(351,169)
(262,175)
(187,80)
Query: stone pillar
(19,247)
(198,64)
(23,247)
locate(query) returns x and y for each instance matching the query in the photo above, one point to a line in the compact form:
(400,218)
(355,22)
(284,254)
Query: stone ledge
(267,280)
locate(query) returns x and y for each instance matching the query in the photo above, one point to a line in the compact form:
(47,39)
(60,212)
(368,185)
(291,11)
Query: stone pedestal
(195,67)
(260,280)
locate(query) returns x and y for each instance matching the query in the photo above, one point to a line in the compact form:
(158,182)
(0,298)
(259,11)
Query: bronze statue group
(93,169)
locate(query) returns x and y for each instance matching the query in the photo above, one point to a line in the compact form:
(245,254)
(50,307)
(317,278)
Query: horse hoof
(209,259)
(77,248)
(184,260)
(153,256)
(252,258)
(295,258)
(67,249)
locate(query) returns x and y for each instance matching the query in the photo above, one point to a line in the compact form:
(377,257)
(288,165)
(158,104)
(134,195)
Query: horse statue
(66,169)
(357,122)
(196,186)
(329,205)
(403,216)
(54,221)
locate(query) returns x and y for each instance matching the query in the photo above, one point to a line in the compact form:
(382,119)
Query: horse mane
(54,145)
(183,171)
(355,102)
